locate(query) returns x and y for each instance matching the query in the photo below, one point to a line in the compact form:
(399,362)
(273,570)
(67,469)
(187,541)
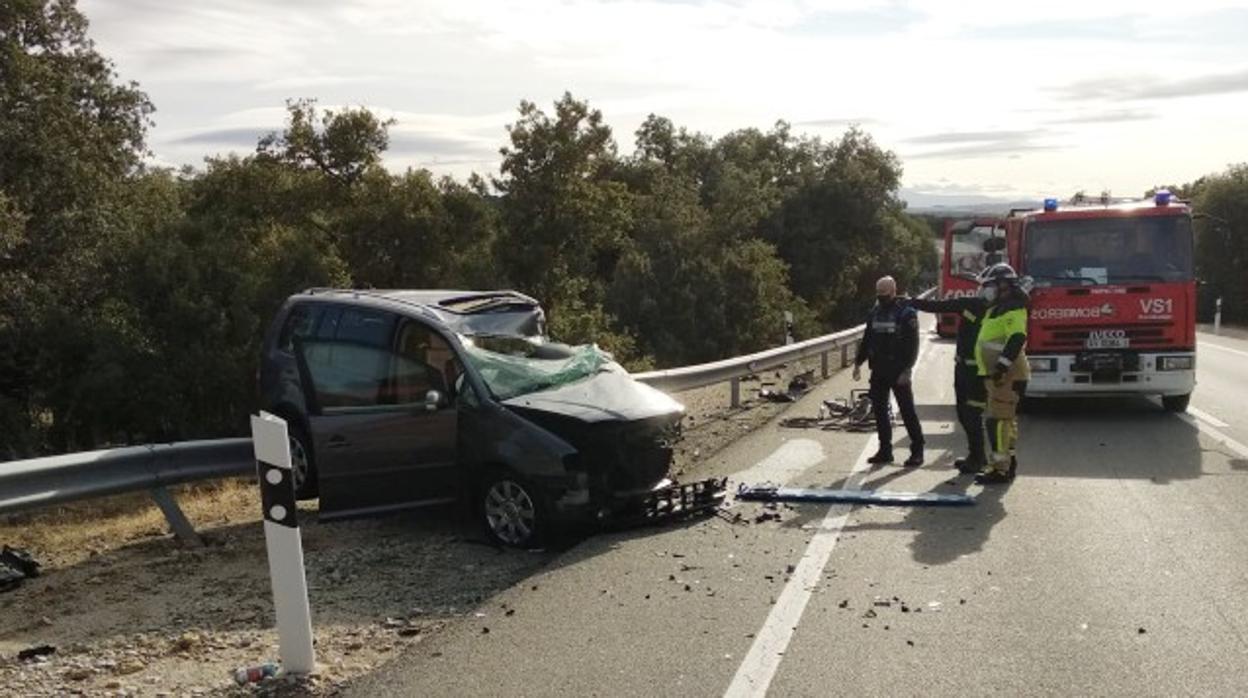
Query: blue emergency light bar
(1162,198)
(1050,205)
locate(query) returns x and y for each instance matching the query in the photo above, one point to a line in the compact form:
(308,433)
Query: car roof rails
(372,293)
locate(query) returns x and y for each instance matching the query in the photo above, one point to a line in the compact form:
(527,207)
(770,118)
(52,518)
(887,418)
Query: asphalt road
(1116,564)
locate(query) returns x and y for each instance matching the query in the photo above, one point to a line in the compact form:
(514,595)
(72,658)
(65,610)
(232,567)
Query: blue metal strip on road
(766,493)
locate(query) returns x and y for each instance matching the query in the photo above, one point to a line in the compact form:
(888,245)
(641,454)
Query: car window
(300,324)
(366,327)
(360,367)
(349,362)
(424,362)
(328,326)
(345,374)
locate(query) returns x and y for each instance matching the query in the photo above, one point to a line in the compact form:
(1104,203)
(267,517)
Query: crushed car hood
(611,395)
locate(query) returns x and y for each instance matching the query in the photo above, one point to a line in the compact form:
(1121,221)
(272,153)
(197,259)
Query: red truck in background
(963,259)
(1113,299)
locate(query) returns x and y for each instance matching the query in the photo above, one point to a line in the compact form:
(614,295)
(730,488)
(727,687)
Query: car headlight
(1042,365)
(1176,363)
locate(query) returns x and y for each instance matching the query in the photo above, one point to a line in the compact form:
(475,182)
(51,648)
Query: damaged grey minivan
(398,399)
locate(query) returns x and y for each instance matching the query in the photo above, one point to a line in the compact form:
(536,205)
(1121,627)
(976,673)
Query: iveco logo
(1091,311)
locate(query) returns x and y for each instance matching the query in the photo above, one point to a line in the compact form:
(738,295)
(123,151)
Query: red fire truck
(963,259)
(1113,302)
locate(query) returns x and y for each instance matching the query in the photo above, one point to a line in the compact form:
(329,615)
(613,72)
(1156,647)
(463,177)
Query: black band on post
(277,494)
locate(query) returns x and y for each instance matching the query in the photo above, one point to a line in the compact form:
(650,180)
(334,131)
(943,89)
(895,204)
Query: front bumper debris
(675,501)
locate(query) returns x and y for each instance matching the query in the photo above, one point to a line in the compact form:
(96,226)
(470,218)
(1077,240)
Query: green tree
(565,218)
(844,226)
(1221,202)
(685,294)
(344,145)
(70,137)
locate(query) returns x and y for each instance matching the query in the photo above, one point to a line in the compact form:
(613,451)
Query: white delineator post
(1217,317)
(285,548)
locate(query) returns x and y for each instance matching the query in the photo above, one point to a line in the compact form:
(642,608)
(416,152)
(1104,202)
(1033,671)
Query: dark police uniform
(968,386)
(890,346)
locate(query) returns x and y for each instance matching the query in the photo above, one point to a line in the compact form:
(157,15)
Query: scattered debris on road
(16,566)
(33,653)
(854,414)
(798,386)
(255,674)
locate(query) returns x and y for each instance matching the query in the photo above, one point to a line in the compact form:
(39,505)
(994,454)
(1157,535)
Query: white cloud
(452,72)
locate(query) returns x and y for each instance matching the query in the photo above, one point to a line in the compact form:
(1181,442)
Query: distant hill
(958,204)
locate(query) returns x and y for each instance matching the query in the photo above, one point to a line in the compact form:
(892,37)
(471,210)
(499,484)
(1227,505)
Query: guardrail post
(823,363)
(178,522)
(844,355)
(1217,317)
(736,392)
(283,543)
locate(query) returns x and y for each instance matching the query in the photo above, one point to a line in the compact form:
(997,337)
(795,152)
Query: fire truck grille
(1075,337)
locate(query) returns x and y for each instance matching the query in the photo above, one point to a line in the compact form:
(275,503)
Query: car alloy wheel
(510,512)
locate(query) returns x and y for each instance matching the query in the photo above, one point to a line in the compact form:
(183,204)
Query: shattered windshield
(515,366)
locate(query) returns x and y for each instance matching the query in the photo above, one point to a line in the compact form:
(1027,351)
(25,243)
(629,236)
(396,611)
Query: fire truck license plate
(1108,339)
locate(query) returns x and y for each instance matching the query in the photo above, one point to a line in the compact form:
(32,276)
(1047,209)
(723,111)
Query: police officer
(1001,357)
(890,345)
(968,387)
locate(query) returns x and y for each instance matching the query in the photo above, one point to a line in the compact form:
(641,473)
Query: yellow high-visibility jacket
(1003,340)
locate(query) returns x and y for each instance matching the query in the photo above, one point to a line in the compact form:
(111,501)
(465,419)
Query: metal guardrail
(55,480)
(44,482)
(733,370)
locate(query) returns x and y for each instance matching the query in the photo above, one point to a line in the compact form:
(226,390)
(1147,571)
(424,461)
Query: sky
(979,98)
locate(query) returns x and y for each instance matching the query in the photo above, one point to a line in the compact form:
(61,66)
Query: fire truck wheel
(1176,403)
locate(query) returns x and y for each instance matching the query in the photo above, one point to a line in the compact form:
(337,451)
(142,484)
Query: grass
(66,533)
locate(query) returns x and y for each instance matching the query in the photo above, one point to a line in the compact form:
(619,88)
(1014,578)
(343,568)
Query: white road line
(1207,418)
(788,461)
(1240,449)
(762,661)
(1219,347)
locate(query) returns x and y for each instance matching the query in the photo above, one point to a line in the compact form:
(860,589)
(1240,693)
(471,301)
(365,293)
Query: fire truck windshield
(966,251)
(1109,250)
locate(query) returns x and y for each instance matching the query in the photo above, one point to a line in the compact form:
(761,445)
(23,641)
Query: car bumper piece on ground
(667,502)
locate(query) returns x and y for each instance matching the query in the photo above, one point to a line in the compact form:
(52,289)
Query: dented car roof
(502,312)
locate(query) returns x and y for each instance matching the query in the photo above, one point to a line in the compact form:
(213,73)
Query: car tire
(512,510)
(302,462)
(1176,403)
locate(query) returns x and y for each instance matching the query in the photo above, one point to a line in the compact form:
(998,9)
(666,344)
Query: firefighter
(890,346)
(968,387)
(1001,357)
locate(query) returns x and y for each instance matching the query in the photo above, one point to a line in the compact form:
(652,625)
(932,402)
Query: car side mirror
(433,401)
